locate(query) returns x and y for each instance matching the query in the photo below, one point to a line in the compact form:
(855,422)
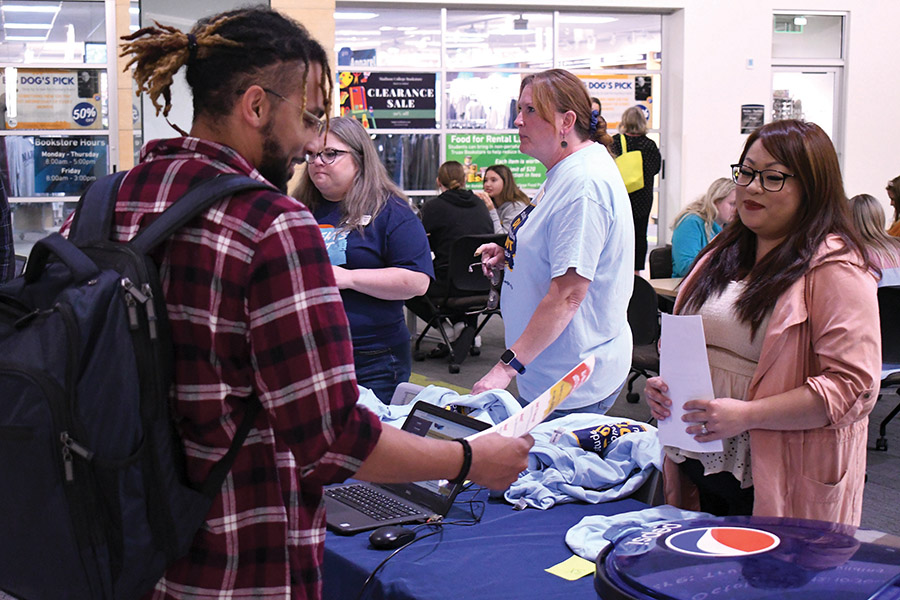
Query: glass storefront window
(609,41)
(53,32)
(807,36)
(412,160)
(385,54)
(495,39)
(482,100)
(377,37)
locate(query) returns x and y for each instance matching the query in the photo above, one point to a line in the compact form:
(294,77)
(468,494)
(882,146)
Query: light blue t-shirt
(582,220)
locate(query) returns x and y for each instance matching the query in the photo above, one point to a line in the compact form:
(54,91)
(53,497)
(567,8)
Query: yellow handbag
(631,166)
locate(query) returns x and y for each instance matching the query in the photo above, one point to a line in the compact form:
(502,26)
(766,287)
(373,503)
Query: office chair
(20,264)
(466,298)
(889,311)
(661,268)
(643,318)
(661,262)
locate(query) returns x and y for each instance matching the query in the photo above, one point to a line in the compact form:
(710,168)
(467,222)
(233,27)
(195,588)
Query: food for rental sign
(55,99)
(389,100)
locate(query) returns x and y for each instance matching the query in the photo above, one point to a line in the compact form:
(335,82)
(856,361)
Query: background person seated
(699,221)
(893,191)
(883,250)
(377,247)
(502,197)
(455,213)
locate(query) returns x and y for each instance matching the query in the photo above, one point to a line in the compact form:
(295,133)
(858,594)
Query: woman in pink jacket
(791,322)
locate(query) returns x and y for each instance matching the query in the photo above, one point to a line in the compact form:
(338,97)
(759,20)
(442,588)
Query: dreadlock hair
(225,54)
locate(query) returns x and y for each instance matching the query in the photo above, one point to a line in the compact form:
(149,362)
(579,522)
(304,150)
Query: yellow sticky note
(572,568)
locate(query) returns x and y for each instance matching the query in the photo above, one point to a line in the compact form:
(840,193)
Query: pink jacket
(824,333)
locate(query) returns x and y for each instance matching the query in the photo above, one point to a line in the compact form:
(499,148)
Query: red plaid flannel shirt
(253,310)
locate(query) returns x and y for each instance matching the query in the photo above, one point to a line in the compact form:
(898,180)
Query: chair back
(20,264)
(643,313)
(464,271)
(661,262)
(889,311)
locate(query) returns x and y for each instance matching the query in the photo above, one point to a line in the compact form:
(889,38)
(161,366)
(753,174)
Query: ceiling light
(27,26)
(25,8)
(799,20)
(25,38)
(354,16)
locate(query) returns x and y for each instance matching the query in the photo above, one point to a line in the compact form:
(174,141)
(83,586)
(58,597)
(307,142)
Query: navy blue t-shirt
(395,238)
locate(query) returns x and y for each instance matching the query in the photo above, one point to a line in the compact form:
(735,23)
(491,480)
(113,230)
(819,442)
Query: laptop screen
(440,424)
(434,426)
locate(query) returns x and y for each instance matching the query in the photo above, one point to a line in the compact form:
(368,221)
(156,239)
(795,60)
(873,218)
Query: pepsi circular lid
(747,558)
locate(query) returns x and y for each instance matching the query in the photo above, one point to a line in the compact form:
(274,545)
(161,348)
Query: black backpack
(94,500)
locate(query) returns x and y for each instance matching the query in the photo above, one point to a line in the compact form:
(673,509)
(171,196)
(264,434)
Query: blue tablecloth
(502,557)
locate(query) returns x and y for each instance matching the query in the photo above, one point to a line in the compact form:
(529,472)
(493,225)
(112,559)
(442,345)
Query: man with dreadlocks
(254,312)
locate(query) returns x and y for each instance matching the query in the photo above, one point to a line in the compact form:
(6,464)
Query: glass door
(809,93)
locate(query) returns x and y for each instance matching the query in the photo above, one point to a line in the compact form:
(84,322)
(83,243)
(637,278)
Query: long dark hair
(510,191)
(808,152)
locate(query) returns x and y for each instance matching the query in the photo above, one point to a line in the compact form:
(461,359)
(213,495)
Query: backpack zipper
(144,297)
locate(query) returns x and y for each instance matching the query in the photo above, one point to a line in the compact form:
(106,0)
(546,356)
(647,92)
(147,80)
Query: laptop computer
(361,506)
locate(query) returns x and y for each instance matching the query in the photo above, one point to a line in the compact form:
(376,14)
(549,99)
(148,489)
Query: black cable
(438,526)
(439,529)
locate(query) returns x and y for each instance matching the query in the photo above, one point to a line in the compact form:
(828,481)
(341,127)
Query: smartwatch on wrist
(509,358)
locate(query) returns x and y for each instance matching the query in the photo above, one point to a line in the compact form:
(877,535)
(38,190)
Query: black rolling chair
(889,311)
(661,262)
(20,264)
(643,317)
(661,268)
(466,298)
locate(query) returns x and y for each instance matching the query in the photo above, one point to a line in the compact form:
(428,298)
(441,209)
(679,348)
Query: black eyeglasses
(770,179)
(328,155)
(310,119)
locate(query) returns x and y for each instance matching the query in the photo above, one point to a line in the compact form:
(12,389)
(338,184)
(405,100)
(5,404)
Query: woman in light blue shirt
(699,222)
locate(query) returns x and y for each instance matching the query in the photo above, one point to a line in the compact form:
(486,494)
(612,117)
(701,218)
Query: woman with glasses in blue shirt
(376,244)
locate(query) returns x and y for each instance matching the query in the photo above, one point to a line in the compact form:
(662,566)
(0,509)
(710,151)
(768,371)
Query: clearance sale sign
(54,99)
(389,100)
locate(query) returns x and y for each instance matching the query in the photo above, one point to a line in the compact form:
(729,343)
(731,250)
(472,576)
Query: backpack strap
(213,484)
(195,201)
(96,207)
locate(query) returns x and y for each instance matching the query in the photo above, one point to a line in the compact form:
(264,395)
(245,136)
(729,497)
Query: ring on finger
(703,429)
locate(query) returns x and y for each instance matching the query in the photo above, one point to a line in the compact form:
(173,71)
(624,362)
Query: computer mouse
(390,537)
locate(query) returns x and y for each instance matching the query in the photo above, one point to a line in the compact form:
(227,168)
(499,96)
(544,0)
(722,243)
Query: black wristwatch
(509,358)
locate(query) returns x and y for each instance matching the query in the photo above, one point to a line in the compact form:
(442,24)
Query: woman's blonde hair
(705,206)
(868,218)
(452,175)
(371,187)
(633,121)
(558,90)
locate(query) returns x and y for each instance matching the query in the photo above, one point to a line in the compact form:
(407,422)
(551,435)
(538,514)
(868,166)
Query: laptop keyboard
(371,502)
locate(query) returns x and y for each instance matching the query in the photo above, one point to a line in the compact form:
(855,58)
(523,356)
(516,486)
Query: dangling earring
(564,144)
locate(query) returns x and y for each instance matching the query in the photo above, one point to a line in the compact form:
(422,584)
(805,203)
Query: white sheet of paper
(684,366)
(525,420)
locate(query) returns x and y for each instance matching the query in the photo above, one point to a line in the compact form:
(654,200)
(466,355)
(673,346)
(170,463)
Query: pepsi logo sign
(722,541)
